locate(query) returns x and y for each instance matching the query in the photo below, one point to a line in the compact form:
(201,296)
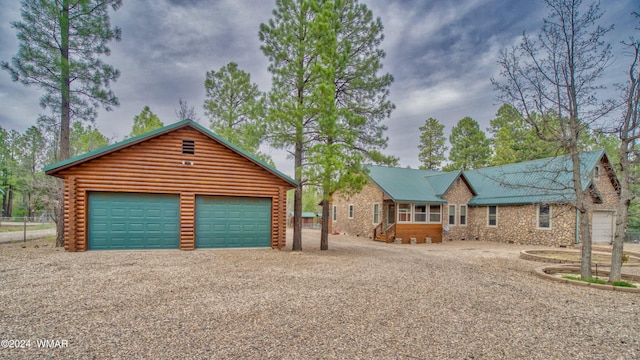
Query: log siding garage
(180,187)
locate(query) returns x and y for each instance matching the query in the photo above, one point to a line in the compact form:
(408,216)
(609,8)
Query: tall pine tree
(432,145)
(61,44)
(470,148)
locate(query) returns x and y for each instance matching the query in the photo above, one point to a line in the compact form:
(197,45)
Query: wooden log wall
(420,232)
(187,221)
(158,165)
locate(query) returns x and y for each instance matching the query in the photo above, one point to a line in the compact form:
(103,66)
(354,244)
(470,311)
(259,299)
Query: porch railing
(377,231)
(391,231)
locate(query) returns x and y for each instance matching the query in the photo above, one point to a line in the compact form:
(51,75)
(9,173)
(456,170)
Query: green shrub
(591,280)
(623,284)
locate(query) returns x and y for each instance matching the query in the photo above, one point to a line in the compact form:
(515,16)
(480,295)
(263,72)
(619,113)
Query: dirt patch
(360,299)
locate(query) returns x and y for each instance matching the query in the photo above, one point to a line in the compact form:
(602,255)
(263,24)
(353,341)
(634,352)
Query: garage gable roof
(77,160)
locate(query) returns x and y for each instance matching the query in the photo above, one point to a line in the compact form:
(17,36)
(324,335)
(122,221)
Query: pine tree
(235,107)
(61,43)
(432,145)
(144,122)
(470,148)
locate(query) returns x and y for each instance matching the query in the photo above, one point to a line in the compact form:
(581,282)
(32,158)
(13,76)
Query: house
(309,219)
(177,187)
(524,203)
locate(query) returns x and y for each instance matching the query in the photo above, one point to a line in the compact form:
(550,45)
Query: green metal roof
(442,181)
(410,185)
(53,168)
(539,181)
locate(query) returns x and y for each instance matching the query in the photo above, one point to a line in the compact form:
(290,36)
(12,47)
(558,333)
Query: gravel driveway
(359,300)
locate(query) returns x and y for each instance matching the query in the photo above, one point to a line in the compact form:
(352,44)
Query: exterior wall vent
(188,147)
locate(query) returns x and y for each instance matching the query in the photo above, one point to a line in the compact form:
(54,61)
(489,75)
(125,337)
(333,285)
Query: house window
(434,213)
(188,146)
(452,214)
(404,212)
(544,216)
(463,215)
(335,213)
(420,213)
(492,218)
(376,213)
(596,172)
(351,211)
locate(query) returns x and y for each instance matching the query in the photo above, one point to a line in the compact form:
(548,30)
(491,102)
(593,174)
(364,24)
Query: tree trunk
(65,117)
(324,233)
(621,216)
(618,243)
(297,199)
(9,209)
(585,236)
(581,205)
(59,215)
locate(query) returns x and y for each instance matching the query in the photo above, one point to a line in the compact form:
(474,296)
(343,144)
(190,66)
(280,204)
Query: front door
(391,214)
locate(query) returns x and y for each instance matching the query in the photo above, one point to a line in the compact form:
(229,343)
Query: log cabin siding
(157,165)
(419,232)
(187,221)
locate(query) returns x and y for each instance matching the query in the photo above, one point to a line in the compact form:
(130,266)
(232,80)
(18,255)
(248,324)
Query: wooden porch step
(382,237)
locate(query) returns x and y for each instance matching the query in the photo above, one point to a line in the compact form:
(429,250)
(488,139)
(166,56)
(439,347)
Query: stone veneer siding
(457,194)
(516,223)
(519,223)
(362,222)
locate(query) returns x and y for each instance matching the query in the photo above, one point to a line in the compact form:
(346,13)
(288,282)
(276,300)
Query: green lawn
(8,227)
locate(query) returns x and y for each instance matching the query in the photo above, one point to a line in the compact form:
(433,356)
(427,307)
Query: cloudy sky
(442,54)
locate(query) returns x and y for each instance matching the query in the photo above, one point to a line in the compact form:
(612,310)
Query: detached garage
(178,187)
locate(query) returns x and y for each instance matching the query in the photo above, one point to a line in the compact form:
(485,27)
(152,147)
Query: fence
(632,238)
(42,219)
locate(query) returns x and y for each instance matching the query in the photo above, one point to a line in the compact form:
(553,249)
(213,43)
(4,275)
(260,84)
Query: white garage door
(602,227)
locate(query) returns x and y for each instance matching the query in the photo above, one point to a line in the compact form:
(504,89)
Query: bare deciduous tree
(629,133)
(556,76)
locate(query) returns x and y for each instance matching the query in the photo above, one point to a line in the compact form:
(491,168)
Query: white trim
(352,211)
(424,214)
(373,218)
(466,214)
(409,213)
(489,207)
(538,218)
(449,214)
(439,214)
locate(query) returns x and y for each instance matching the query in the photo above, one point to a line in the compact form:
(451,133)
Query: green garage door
(232,222)
(133,221)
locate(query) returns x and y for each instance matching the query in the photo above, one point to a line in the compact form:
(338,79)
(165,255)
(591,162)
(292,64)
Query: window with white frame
(463,215)
(404,212)
(335,213)
(544,216)
(434,213)
(376,213)
(351,211)
(452,214)
(420,213)
(492,216)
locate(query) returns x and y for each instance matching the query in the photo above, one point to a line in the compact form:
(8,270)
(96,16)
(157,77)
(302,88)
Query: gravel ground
(358,300)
